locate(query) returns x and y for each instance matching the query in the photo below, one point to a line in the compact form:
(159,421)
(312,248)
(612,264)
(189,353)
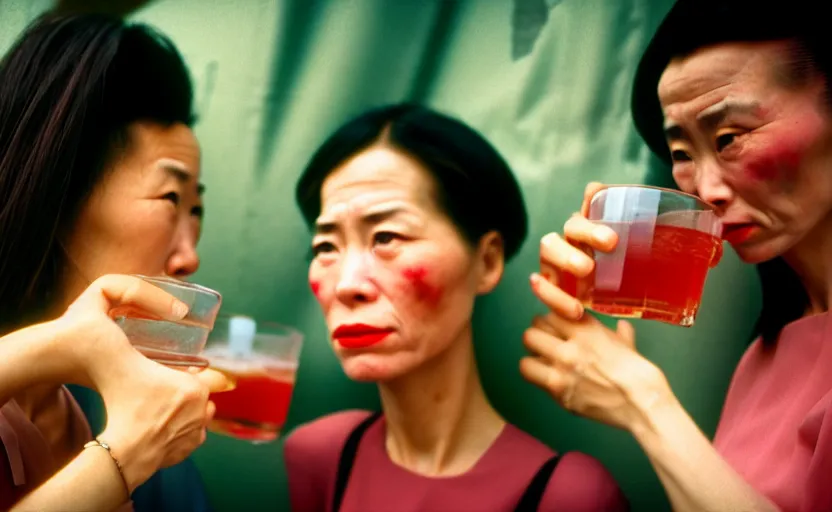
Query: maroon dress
(776,426)
(25,458)
(497,482)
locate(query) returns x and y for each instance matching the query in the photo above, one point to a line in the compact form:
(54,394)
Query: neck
(811,259)
(439,421)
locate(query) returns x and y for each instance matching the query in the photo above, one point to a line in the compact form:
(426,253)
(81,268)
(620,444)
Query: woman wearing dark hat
(735,96)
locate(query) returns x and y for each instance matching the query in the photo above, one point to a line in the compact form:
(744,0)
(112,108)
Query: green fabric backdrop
(273,77)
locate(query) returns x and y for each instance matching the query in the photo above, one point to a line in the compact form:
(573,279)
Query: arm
(156,416)
(693,473)
(28,357)
(92,480)
(34,356)
(596,372)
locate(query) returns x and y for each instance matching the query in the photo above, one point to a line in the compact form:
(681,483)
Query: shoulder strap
(530,501)
(347,459)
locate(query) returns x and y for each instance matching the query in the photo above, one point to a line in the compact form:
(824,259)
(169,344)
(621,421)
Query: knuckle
(549,240)
(106,281)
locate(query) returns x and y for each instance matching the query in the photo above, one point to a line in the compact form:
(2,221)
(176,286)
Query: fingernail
(602,235)
(579,311)
(180,309)
(535,279)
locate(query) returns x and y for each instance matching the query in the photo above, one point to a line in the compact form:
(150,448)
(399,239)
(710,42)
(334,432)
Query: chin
(373,368)
(759,252)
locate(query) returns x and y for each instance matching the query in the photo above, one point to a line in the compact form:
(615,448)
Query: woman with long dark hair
(99,174)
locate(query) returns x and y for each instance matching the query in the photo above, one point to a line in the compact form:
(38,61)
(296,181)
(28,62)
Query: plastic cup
(667,242)
(262,360)
(173,343)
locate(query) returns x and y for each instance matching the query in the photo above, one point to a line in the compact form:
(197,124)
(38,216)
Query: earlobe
(491,262)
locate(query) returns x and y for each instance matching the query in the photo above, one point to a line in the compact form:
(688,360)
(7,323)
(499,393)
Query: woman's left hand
(589,369)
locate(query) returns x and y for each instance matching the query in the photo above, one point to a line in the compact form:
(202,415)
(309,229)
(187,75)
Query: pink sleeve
(8,492)
(582,484)
(818,425)
(311,454)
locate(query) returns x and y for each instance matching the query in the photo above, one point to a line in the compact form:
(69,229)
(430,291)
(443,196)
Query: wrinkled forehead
(734,68)
(376,179)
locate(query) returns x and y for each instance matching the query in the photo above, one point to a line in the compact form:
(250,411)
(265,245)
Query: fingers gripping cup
(172,343)
(667,242)
(262,359)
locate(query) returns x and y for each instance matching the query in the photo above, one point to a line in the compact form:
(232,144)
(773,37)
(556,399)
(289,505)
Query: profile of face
(145,214)
(394,277)
(749,131)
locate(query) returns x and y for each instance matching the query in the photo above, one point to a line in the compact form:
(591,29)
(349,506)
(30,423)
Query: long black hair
(69,89)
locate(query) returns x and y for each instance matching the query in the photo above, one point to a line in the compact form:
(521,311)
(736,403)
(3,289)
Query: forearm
(90,482)
(28,357)
(693,473)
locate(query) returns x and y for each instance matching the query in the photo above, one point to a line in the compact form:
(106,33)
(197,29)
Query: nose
(354,285)
(184,260)
(711,186)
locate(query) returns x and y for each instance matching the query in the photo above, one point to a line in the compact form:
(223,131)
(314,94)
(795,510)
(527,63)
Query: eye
(385,237)
(173,197)
(322,247)
(725,140)
(678,155)
(198,211)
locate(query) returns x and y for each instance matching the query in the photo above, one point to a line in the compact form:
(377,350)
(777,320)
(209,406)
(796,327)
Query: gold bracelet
(102,444)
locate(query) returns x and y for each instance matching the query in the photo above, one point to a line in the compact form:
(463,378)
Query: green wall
(274,77)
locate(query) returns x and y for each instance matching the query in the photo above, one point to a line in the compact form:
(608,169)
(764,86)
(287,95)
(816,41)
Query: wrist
(101,445)
(132,459)
(654,407)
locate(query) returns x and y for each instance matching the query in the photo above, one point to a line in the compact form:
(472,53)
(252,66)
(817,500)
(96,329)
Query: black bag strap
(347,459)
(530,501)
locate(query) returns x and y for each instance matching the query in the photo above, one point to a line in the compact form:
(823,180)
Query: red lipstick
(359,335)
(736,234)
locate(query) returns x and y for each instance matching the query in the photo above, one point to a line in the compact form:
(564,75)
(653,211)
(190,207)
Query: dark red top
(26,460)
(776,426)
(495,483)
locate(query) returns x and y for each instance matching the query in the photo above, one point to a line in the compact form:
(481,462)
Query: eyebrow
(376,217)
(180,172)
(714,115)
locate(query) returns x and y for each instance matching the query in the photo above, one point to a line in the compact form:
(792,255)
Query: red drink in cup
(667,242)
(262,360)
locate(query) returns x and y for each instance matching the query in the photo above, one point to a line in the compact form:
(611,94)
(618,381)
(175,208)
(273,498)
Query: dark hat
(694,24)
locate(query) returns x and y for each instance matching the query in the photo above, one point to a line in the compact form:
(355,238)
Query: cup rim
(179,283)
(697,199)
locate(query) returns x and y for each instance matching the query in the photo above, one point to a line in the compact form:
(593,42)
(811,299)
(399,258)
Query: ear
(490,262)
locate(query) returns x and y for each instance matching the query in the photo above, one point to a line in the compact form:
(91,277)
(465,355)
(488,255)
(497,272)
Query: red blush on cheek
(417,279)
(315,286)
(778,161)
